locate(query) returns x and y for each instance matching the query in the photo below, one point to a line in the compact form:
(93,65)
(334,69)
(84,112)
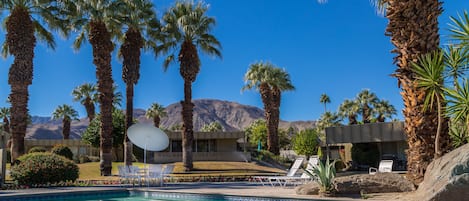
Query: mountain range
(231,115)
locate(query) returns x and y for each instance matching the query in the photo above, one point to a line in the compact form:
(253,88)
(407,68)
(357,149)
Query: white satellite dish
(148,137)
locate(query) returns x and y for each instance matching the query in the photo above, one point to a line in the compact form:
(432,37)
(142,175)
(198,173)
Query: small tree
(306,142)
(257,133)
(212,127)
(92,135)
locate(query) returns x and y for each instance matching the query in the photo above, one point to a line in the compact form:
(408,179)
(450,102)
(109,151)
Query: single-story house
(389,137)
(207,146)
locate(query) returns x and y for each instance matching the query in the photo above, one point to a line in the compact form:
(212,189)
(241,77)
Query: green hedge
(44,168)
(62,151)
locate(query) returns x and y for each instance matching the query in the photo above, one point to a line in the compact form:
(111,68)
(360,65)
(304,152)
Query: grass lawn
(90,171)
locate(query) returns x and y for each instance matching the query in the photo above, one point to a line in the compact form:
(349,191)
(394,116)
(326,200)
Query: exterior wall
(226,145)
(171,157)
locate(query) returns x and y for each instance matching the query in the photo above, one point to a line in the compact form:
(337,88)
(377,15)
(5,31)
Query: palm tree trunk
(188,133)
(274,121)
(128,122)
(21,42)
(100,40)
(156,121)
(189,68)
(6,125)
(366,114)
(130,51)
(352,120)
(267,100)
(89,106)
(413,27)
(66,129)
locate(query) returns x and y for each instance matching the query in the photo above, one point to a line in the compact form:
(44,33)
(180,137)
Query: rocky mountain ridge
(231,115)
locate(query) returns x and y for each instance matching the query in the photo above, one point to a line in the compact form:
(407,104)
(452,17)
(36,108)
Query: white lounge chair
(384,166)
(305,177)
(271,179)
(291,173)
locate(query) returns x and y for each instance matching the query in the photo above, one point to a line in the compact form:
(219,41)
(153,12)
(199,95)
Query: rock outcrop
(378,183)
(354,184)
(447,178)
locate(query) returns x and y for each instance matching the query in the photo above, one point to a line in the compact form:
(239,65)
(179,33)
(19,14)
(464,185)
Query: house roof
(371,132)
(208,135)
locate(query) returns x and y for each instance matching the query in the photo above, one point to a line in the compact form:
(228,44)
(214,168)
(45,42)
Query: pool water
(142,196)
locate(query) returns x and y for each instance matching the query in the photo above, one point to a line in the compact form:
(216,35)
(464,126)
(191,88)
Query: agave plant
(324,175)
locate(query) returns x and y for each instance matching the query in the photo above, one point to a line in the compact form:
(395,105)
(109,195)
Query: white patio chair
(166,172)
(129,174)
(384,166)
(154,173)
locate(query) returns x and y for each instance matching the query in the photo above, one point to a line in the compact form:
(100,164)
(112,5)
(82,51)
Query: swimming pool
(130,195)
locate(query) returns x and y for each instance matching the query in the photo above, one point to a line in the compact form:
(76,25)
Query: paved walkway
(237,188)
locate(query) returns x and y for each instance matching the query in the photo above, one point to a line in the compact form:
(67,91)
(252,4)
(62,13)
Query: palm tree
(414,34)
(156,112)
(26,20)
(5,115)
(384,110)
(137,18)
(349,109)
(86,94)
(456,60)
(188,30)
(270,81)
(95,21)
(429,76)
(67,114)
(327,119)
(364,99)
(324,100)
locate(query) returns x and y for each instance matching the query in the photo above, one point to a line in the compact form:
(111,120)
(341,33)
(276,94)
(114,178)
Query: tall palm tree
(5,115)
(325,100)
(429,76)
(86,94)
(384,110)
(137,18)
(413,28)
(365,99)
(67,114)
(270,81)
(156,112)
(95,21)
(26,21)
(188,30)
(349,109)
(456,61)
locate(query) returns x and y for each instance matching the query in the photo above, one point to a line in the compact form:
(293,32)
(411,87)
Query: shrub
(84,159)
(44,168)
(62,151)
(37,149)
(325,173)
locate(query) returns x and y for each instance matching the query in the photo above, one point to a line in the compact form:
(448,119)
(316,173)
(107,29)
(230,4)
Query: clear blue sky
(338,48)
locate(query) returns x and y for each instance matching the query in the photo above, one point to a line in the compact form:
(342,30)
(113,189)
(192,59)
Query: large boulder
(447,178)
(311,188)
(378,183)
(354,184)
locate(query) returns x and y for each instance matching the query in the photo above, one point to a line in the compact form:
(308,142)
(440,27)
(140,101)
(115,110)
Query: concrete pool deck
(225,188)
